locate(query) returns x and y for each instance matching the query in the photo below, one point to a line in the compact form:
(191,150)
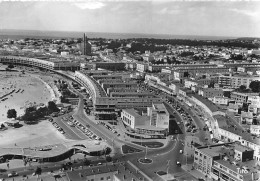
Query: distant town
(136,109)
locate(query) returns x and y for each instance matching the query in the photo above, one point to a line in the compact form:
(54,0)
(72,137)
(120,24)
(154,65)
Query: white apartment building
(159,116)
(141,67)
(237,81)
(190,83)
(131,118)
(220,100)
(255,129)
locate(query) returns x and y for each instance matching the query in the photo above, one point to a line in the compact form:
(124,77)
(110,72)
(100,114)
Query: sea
(21,34)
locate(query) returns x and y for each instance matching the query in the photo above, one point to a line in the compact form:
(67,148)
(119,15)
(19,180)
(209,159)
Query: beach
(22,90)
(18,91)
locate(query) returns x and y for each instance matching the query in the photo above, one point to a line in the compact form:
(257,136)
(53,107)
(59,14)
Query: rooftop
(133,112)
(54,150)
(208,103)
(245,135)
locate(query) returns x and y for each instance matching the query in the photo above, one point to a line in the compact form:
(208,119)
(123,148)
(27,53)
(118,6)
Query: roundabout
(145,160)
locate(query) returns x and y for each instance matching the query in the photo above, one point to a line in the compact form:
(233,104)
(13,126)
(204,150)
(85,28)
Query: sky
(206,18)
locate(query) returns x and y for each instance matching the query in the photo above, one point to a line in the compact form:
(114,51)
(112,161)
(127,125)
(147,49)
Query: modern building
(50,64)
(159,116)
(155,123)
(226,162)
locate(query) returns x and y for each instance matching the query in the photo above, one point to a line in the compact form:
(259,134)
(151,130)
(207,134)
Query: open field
(43,133)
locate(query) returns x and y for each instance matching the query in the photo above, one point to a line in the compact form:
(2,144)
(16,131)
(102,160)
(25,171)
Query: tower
(86,46)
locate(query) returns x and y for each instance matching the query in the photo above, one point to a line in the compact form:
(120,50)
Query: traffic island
(129,149)
(145,160)
(153,144)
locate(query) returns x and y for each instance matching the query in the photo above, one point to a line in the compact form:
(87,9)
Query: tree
(242,88)
(108,158)
(52,107)
(30,115)
(227,94)
(10,66)
(255,86)
(42,111)
(87,162)
(38,171)
(11,113)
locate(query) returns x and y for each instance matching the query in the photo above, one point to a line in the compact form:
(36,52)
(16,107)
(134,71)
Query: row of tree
(33,114)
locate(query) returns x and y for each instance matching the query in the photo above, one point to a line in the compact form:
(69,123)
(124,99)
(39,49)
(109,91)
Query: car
(99,163)
(68,163)
(12,174)
(181,151)
(178,163)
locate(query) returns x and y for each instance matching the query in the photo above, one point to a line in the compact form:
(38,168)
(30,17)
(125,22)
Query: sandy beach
(27,90)
(20,91)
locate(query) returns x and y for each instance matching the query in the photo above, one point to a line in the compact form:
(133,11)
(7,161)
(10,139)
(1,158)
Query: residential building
(237,81)
(238,97)
(210,92)
(141,67)
(255,129)
(230,134)
(220,100)
(117,172)
(225,81)
(190,83)
(226,162)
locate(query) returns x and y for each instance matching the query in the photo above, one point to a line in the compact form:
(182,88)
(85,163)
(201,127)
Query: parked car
(12,174)
(178,163)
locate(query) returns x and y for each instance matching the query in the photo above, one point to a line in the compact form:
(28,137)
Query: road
(161,156)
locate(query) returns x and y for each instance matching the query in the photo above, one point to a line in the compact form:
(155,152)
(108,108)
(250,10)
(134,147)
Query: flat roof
(133,112)
(208,103)
(81,175)
(248,164)
(54,150)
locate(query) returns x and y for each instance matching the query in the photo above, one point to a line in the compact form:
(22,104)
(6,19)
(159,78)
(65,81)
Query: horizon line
(129,33)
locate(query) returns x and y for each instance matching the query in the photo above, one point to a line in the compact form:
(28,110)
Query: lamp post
(145,157)
(168,166)
(186,159)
